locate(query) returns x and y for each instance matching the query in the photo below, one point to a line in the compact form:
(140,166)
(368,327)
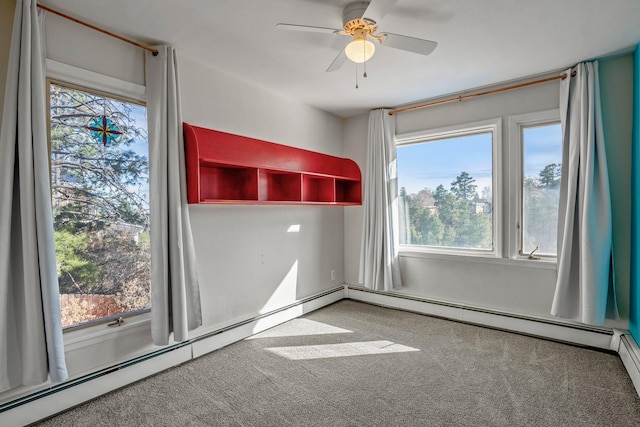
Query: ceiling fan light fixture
(360,50)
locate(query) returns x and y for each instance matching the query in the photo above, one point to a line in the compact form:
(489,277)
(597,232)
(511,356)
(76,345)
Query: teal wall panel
(634,314)
(616,88)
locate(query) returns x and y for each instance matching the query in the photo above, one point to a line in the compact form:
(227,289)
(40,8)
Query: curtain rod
(93,27)
(474,95)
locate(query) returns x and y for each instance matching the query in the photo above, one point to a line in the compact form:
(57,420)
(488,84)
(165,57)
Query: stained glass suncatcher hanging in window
(100,204)
(103,129)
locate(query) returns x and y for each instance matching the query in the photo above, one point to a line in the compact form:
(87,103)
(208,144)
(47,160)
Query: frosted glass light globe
(360,50)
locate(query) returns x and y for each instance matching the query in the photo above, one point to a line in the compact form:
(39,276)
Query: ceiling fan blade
(309,28)
(410,44)
(337,63)
(377,9)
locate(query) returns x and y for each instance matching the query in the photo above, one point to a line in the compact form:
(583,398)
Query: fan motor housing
(354,11)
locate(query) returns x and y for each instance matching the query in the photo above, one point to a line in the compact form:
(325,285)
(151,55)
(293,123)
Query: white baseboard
(630,354)
(79,391)
(619,341)
(53,400)
(214,341)
(45,403)
(545,328)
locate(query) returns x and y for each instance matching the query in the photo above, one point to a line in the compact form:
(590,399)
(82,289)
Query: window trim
(96,82)
(494,126)
(72,77)
(516,180)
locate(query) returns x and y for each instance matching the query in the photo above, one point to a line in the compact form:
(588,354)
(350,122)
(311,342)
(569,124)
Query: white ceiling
(480,42)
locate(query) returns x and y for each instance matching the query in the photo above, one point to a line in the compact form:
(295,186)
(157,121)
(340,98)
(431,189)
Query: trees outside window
(442,203)
(460,192)
(100,200)
(541,160)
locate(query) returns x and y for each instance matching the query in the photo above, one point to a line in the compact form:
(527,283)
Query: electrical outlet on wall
(333,275)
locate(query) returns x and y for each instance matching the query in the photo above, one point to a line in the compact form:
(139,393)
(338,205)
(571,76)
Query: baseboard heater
(610,340)
(57,388)
(576,334)
(483,317)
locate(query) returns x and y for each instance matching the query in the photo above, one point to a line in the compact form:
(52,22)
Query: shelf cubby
(226,168)
(278,186)
(318,189)
(348,190)
(224,182)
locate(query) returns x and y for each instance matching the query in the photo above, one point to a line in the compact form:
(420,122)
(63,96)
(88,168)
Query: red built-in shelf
(226,168)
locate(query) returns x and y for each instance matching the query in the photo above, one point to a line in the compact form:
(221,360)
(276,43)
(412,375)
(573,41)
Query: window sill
(94,334)
(545,264)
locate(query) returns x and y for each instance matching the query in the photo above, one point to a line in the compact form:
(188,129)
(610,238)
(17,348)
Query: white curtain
(175,295)
(31,343)
(379,262)
(584,288)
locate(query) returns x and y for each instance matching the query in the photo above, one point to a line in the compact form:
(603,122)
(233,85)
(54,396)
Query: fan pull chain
(364,55)
(356,76)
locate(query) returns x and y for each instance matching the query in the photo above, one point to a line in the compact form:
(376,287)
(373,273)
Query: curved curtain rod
(474,95)
(93,27)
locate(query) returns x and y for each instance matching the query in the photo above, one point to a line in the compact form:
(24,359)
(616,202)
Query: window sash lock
(118,322)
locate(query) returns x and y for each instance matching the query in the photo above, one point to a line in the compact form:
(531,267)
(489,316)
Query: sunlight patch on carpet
(299,328)
(323,351)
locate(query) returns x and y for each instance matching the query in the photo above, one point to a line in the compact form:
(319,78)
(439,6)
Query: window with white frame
(446,182)
(100,199)
(540,142)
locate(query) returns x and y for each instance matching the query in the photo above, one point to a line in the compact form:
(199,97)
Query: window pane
(100,198)
(446,192)
(542,158)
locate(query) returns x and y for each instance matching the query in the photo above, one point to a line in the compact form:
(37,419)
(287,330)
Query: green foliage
(425,227)
(541,197)
(69,258)
(549,176)
(460,218)
(463,187)
(100,199)
(449,218)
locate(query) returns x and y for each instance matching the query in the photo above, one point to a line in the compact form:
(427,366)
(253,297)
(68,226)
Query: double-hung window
(100,200)
(456,195)
(537,138)
(447,180)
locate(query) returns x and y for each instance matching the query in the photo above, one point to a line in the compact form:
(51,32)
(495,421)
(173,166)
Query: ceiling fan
(360,21)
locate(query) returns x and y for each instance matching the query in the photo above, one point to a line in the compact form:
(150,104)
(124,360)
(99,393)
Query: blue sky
(441,161)
(542,146)
(139,115)
(140,147)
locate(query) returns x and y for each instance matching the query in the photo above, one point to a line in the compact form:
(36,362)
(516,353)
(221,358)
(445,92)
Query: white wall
(247,260)
(522,287)
(87,49)
(355,143)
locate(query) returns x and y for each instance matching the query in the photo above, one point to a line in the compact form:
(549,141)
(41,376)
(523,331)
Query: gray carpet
(354,364)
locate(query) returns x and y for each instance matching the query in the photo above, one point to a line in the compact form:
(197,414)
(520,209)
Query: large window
(446,182)
(100,198)
(457,195)
(541,169)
